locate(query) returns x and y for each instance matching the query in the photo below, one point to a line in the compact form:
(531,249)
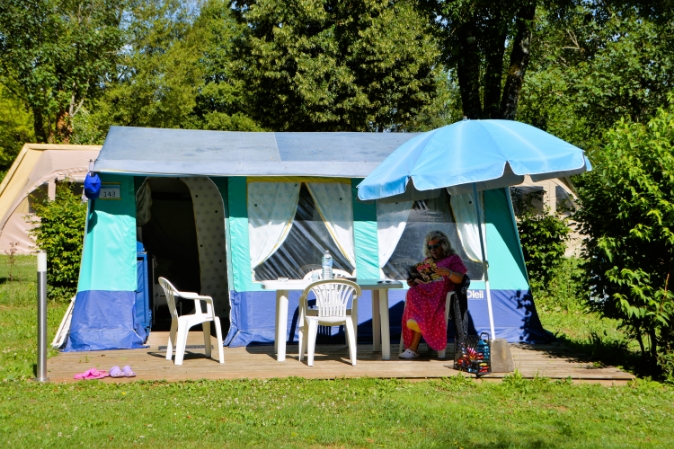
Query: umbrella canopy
(473,154)
(470,156)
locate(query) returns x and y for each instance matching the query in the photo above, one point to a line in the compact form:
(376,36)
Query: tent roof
(38,163)
(35,165)
(220,153)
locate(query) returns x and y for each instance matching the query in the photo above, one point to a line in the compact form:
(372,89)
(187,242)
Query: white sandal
(408,354)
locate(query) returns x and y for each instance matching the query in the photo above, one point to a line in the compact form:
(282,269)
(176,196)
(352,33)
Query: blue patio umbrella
(471,156)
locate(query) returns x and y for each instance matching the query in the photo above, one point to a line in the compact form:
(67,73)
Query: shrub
(627,211)
(543,238)
(60,232)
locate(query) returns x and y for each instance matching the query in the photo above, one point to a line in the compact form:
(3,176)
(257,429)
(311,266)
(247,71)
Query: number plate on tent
(110,192)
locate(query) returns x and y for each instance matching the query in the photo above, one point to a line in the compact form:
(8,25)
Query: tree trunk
(468,70)
(637,332)
(519,59)
(654,345)
(64,128)
(493,76)
(38,126)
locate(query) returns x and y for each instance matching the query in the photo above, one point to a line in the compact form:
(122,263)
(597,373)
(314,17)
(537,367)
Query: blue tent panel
(142,313)
(253,316)
(516,319)
(103,320)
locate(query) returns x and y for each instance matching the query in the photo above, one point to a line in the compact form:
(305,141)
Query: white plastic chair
(180,325)
(448,301)
(304,269)
(332,307)
(336,272)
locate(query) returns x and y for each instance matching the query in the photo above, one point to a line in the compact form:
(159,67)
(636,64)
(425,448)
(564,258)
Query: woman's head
(436,245)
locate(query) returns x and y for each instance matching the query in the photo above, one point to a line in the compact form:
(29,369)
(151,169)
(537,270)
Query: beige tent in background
(37,169)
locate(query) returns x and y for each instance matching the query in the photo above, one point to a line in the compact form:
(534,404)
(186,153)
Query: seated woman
(425,309)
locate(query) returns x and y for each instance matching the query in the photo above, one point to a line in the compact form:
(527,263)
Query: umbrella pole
(485,263)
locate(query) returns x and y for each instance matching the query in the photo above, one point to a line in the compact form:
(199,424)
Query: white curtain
(391,222)
(271,209)
(466,224)
(333,201)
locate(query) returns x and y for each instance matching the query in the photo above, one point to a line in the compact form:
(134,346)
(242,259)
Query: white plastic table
(381,332)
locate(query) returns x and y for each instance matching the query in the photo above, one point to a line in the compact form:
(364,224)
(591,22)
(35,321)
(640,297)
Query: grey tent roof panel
(223,153)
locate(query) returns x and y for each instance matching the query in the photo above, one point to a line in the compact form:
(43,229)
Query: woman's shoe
(408,354)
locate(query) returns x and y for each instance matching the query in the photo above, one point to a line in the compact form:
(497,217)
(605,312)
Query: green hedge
(61,234)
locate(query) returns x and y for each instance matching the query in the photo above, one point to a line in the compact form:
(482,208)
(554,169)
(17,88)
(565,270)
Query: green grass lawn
(18,317)
(288,413)
(446,413)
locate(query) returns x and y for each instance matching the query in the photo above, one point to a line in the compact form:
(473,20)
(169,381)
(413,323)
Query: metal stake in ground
(41,371)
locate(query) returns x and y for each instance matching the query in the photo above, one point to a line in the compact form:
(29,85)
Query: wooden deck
(259,362)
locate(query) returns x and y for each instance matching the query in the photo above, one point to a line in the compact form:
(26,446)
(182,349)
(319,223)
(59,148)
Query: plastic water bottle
(327,265)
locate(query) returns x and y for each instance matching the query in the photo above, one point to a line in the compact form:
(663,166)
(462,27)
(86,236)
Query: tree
(543,237)
(55,54)
(15,129)
(175,70)
(591,67)
(475,36)
(325,65)
(158,75)
(221,99)
(627,211)
(60,232)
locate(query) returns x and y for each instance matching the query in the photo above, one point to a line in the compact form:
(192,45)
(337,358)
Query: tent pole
(485,263)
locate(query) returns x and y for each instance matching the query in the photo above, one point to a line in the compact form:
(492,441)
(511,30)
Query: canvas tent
(220,211)
(36,170)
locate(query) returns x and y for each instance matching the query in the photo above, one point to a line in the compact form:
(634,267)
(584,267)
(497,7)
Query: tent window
(424,216)
(306,241)
(527,198)
(564,201)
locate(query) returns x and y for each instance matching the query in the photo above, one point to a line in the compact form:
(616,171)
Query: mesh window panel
(426,216)
(305,245)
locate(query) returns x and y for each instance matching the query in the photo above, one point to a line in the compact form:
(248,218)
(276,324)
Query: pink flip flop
(89,374)
(128,372)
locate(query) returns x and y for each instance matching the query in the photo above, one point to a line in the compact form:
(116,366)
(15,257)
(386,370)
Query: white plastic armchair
(332,307)
(336,273)
(306,269)
(180,325)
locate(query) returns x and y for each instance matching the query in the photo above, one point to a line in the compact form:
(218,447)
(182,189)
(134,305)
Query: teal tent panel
(238,234)
(365,236)
(506,266)
(109,256)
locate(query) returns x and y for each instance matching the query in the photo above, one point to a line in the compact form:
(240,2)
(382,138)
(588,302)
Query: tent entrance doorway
(185,238)
(170,238)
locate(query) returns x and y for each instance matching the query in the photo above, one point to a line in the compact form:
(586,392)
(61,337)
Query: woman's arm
(453,276)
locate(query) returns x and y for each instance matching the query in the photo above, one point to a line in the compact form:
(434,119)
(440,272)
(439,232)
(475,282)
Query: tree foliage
(543,238)
(60,232)
(323,65)
(158,75)
(55,54)
(16,128)
(627,214)
(221,102)
(476,36)
(594,65)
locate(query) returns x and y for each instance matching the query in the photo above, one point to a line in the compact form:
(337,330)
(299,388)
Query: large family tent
(33,176)
(219,212)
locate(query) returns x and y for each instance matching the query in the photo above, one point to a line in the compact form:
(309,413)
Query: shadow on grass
(602,352)
(599,352)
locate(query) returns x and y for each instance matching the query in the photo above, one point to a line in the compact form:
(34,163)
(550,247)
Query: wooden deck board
(553,361)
